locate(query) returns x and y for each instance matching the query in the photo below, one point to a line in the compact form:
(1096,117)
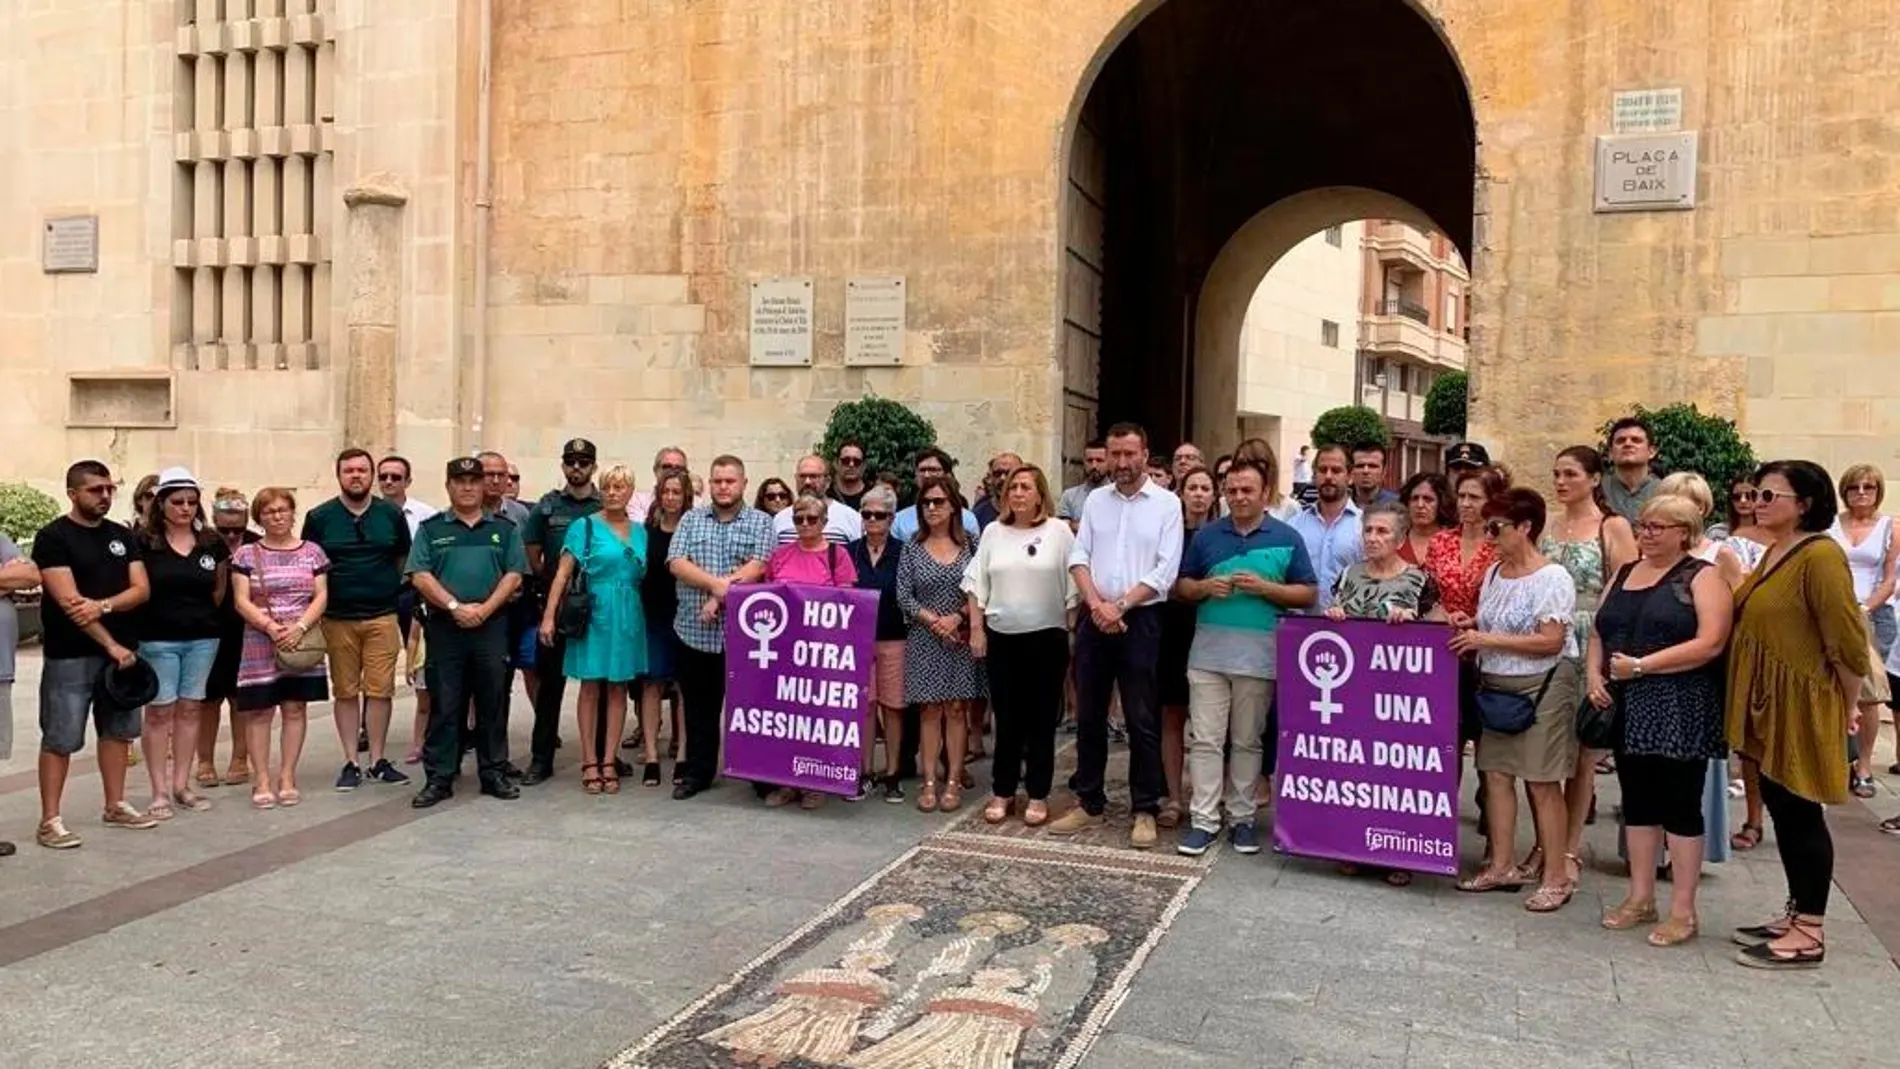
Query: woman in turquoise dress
(610,550)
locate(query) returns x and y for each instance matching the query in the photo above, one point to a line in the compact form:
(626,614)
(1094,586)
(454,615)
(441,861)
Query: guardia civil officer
(466,563)
(542,537)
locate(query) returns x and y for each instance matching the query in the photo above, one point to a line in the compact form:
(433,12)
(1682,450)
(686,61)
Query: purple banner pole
(1368,744)
(798,668)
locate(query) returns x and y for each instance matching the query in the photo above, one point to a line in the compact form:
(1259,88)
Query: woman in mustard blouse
(1796,659)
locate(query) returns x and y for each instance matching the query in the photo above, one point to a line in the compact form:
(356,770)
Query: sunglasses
(850,462)
(389,477)
(808,521)
(777,495)
(874,516)
(568,462)
(1743,495)
(1863,488)
(936,502)
(1494,528)
(1769,497)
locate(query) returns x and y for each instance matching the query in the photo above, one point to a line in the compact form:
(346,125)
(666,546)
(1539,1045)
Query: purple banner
(798,669)
(1368,746)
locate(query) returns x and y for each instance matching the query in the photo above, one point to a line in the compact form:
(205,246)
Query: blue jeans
(1882,622)
(183,667)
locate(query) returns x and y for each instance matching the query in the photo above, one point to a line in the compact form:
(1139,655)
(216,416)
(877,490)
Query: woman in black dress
(1177,634)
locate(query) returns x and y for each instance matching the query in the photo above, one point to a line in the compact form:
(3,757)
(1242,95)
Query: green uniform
(549,520)
(367,556)
(468,560)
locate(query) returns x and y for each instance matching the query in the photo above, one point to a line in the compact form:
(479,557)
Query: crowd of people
(1620,625)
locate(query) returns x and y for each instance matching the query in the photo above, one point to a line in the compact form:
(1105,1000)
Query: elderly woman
(1384,586)
(811,560)
(875,558)
(609,551)
(280,584)
(1527,696)
(1869,538)
(940,674)
(1429,509)
(1654,655)
(1022,604)
(1795,664)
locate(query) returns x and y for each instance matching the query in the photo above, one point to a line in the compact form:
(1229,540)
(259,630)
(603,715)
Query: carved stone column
(374,255)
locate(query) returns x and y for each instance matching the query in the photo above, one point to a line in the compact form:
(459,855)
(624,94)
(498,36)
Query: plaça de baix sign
(1646,172)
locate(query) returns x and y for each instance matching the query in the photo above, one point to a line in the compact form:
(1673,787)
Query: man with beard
(850,485)
(1126,557)
(1094,474)
(842,522)
(543,536)
(1633,451)
(1330,525)
(93,578)
(717,544)
(1002,466)
(367,540)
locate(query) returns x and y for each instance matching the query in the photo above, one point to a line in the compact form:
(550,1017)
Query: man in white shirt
(1126,556)
(842,522)
(671,456)
(392,482)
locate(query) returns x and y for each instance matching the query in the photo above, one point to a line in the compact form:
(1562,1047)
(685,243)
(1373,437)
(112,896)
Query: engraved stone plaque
(874,321)
(781,322)
(1646,172)
(71,245)
(1653,111)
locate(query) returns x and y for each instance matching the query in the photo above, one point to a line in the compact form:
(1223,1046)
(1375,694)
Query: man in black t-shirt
(93,577)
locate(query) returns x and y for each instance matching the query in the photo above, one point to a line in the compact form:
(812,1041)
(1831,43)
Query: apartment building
(1413,328)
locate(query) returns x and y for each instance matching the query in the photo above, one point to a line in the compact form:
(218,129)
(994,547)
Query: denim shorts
(66,689)
(183,667)
(1882,622)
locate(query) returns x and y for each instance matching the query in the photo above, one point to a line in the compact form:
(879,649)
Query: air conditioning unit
(1378,381)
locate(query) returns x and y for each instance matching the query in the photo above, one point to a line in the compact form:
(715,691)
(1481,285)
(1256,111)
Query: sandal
(998,810)
(1629,915)
(1768,956)
(263,800)
(1764,933)
(1036,813)
(610,778)
(1861,786)
(1170,815)
(810,800)
(206,775)
(1531,869)
(1606,765)
(1746,839)
(1673,932)
(1485,882)
(1398,878)
(160,809)
(590,783)
(650,776)
(197,803)
(952,799)
(1549,899)
(1890,826)
(289,796)
(927,798)
(239,772)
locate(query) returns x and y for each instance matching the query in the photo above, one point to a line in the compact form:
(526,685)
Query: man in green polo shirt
(367,541)
(465,565)
(543,536)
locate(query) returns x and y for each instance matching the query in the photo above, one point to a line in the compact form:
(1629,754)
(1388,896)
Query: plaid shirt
(720,549)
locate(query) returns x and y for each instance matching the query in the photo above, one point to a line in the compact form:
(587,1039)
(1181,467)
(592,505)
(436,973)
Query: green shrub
(1351,426)
(24,510)
(890,433)
(1689,440)
(1445,405)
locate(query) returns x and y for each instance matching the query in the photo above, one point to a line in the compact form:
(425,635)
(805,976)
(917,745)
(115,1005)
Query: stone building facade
(425,226)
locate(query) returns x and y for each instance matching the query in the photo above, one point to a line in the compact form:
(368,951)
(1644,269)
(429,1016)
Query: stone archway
(1210,132)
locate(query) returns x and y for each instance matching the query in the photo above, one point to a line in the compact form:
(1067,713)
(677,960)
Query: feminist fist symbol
(1327,669)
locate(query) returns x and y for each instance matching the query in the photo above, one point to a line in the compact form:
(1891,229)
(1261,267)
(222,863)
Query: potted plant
(23,511)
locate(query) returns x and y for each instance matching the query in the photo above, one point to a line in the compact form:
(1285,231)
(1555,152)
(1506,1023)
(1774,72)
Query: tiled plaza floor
(570,931)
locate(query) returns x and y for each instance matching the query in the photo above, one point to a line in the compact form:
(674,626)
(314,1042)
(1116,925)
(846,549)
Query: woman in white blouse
(1022,606)
(1526,655)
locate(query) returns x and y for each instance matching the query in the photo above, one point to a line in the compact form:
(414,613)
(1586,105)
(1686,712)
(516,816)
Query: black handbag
(577,604)
(1504,713)
(1601,729)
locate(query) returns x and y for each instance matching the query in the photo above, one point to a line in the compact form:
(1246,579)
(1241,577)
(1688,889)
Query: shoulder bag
(310,650)
(1505,713)
(1602,729)
(577,603)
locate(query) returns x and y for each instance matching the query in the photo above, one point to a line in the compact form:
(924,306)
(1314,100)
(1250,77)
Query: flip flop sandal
(1746,839)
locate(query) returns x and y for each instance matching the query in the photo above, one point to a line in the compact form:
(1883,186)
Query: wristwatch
(105,606)
(1638,669)
(453,605)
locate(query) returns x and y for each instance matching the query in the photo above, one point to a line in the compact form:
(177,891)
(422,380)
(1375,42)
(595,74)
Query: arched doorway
(1214,135)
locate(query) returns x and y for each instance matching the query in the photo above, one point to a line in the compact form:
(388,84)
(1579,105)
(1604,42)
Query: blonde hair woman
(1869,539)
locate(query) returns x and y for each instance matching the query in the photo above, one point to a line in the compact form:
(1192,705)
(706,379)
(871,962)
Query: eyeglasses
(874,515)
(1769,497)
(279,511)
(935,502)
(808,521)
(1651,529)
(1494,528)
(1863,488)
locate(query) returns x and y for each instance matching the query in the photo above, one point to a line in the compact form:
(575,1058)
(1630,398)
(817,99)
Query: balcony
(1396,243)
(1402,329)
(1392,403)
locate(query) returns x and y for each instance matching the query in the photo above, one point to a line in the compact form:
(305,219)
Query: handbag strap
(257,580)
(831,561)
(1769,573)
